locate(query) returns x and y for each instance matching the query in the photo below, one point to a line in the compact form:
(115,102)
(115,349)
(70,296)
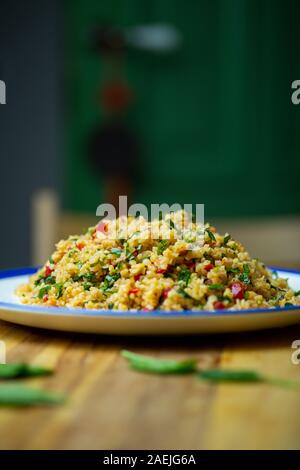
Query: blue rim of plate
(14,272)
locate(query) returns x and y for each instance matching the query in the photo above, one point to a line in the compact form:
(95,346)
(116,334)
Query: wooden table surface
(110,406)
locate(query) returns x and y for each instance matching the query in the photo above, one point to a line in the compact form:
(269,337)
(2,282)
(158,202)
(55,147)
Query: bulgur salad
(170,267)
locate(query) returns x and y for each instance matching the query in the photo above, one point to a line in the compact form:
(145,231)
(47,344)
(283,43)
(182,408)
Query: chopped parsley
(49,280)
(59,288)
(87,285)
(233,270)
(109,281)
(224,297)
(184,276)
(226,240)
(161,247)
(116,251)
(71,253)
(216,286)
(244,277)
(39,280)
(182,292)
(210,234)
(89,277)
(44,290)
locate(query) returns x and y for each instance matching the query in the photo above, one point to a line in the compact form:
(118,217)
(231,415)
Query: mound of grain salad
(170,267)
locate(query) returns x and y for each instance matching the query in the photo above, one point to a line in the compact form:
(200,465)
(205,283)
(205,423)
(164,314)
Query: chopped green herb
(159,366)
(185,276)
(244,277)
(275,274)
(38,281)
(12,371)
(210,234)
(233,270)
(116,251)
(90,277)
(49,280)
(182,292)
(130,256)
(71,253)
(59,288)
(162,245)
(43,291)
(51,260)
(18,395)
(110,305)
(109,281)
(297,293)
(226,239)
(87,285)
(216,286)
(224,297)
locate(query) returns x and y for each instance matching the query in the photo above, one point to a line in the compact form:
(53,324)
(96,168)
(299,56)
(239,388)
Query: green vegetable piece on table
(18,395)
(11,371)
(159,366)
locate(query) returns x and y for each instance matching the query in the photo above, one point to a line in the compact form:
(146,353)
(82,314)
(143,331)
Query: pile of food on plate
(171,263)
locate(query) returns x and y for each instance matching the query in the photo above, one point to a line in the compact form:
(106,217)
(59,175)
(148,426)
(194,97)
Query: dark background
(215,116)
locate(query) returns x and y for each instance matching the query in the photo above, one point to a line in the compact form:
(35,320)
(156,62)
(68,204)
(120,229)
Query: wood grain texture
(110,406)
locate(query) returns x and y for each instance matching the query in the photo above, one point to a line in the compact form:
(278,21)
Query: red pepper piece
(137,277)
(45,298)
(208,267)
(134,290)
(166,292)
(48,271)
(218,305)
(80,245)
(191,265)
(237,289)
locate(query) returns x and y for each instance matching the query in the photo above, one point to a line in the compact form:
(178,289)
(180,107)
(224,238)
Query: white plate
(140,323)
